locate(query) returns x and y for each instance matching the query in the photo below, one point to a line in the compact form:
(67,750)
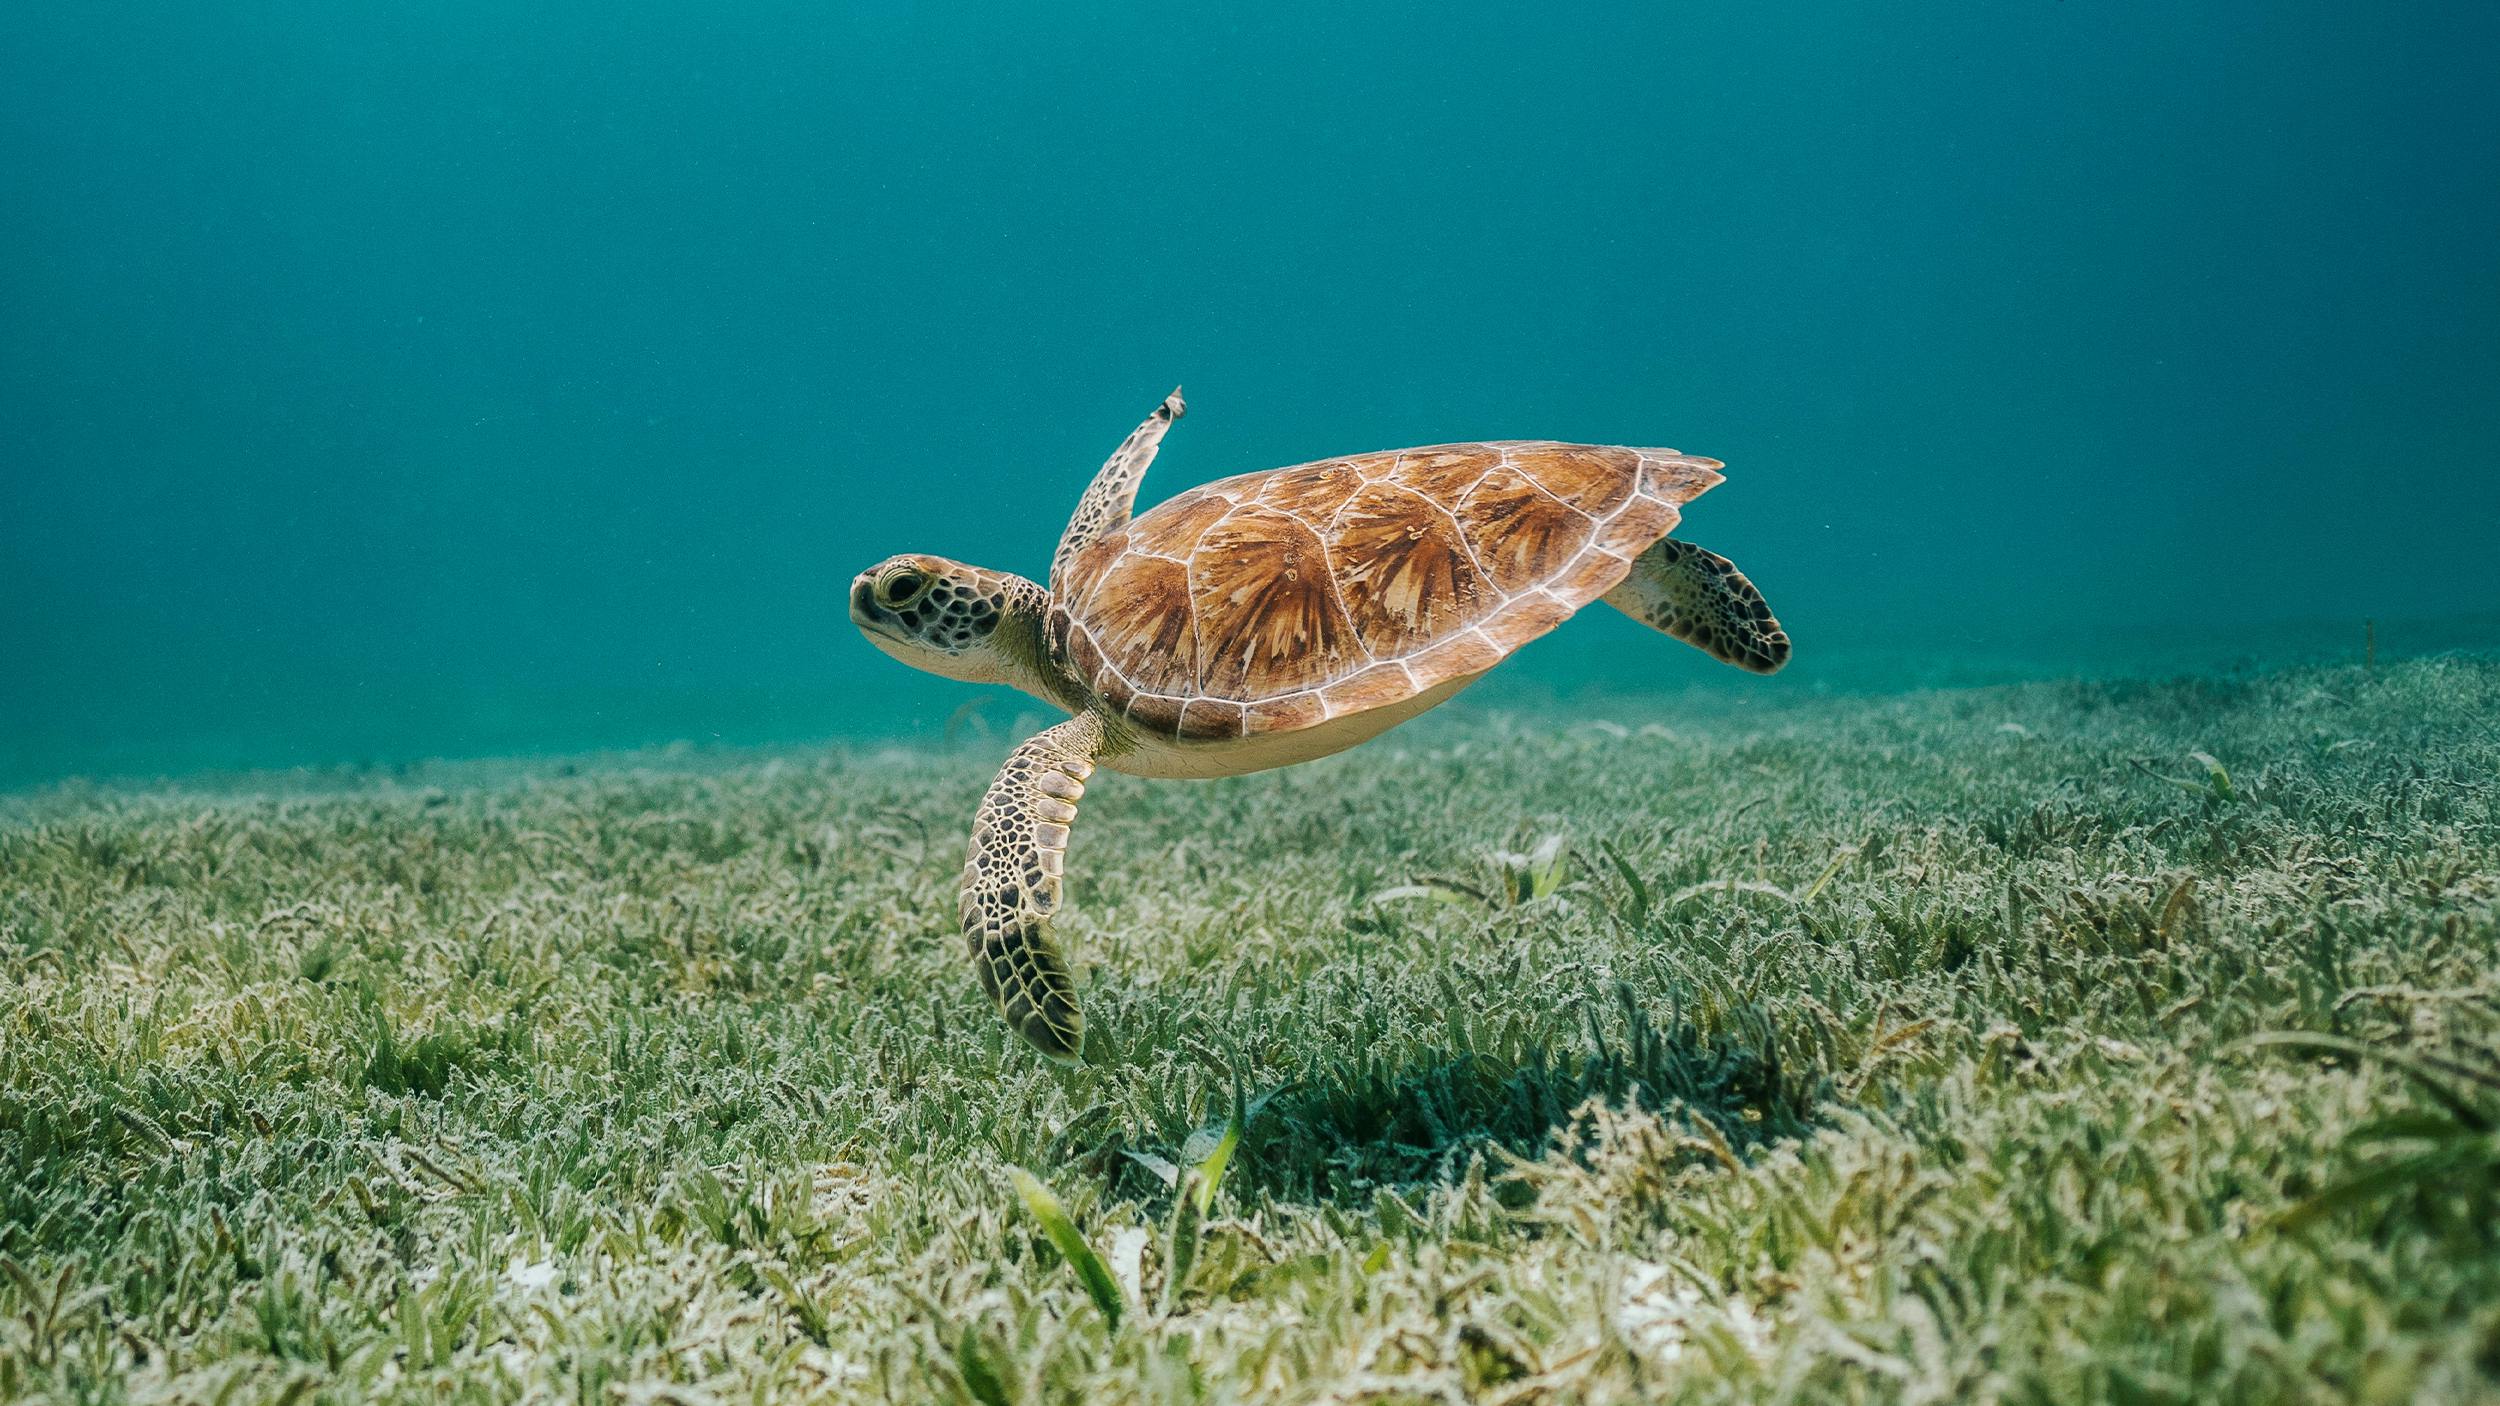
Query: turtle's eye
(898,588)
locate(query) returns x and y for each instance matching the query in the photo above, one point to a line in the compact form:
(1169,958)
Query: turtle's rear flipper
(1011,884)
(1702,599)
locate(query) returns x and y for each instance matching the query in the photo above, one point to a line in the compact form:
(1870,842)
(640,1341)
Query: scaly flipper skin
(1011,883)
(1113,494)
(1702,599)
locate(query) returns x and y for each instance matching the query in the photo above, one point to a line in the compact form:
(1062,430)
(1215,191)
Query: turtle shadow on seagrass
(1275,617)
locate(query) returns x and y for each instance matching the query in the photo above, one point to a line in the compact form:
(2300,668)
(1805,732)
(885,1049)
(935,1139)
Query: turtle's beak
(873,619)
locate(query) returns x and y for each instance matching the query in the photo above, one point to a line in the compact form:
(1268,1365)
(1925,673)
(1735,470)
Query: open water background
(379,382)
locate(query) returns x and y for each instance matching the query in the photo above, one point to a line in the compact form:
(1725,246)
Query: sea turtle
(1276,617)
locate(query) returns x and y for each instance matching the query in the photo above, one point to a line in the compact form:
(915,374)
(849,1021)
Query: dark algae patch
(2070,1041)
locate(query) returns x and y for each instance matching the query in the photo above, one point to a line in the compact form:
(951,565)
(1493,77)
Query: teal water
(380,382)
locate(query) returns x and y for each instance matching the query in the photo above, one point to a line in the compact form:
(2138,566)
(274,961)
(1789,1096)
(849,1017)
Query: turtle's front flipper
(1011,884)
(1702,599)
(1107,502)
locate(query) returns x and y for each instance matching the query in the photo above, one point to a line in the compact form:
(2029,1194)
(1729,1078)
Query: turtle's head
(951,619)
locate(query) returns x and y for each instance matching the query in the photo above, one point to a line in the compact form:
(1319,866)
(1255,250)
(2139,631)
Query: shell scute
(1533,614)
(1269,620)
(1403,570)
(1641,521)
(1590,477)
(1678,478)
(1086,659)
(1444,472)
(1521,532)
(1311,492)
(1458,656)
(1087,569)
(1173,529)
(1591,574)
(1138,616)
(1206,719)
(1370,688)
(1155,713)
(1291,713)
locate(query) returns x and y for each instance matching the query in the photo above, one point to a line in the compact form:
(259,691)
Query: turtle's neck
(1023,641)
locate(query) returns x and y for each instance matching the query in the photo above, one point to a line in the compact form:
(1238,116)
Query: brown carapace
(1276,617)
(1277,601)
